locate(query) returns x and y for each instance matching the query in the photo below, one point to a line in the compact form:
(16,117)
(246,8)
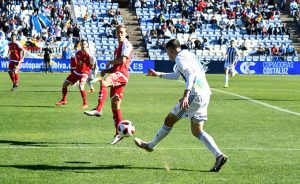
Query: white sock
(226,79)
(161,134)
(209,142)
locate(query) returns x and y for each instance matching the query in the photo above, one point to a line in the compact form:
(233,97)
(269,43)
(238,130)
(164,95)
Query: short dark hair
(173,44)
(84,40)
(13,34)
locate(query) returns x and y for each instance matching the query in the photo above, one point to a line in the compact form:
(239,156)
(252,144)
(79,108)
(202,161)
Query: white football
(126,128)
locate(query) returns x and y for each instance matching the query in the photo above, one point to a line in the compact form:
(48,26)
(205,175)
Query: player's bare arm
(153,73)
(184,103)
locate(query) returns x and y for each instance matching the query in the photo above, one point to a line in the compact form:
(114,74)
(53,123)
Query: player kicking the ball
(85,62)
(116,80)
(192,105)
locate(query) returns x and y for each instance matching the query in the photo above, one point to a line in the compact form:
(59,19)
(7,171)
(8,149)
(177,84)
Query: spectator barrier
(139,66)
(63,65)
(269,68)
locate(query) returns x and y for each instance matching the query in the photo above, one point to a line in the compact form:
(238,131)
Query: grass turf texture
(41,143)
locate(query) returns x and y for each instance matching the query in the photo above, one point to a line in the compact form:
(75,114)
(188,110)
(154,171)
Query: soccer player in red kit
(16,54)
(85,62)
(116,80)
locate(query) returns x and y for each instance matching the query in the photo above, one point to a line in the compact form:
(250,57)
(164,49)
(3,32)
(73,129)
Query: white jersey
(192,72)
(94,71)
(232,55)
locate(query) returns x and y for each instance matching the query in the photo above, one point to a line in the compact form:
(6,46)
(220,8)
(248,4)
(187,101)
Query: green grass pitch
(41,143)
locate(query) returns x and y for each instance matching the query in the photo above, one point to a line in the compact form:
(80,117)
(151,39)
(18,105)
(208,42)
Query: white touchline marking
(274,89)
(258,102)
(254,101)
(135,148)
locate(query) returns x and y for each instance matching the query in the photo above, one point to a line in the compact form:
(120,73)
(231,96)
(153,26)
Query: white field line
(282,90)
(254,101)
(134,148)
(258,102)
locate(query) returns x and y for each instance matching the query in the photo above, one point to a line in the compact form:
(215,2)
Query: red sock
(102,97)
(64,93)
(117,115)
(83,95)
(16,78)
(12,77)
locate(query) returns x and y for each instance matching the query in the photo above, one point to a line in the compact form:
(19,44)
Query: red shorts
(74,77)
(119,81)
(14,66)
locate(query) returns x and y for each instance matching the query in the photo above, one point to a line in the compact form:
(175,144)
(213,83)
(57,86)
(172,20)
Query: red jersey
(83,60)
(124,49)
(15,51)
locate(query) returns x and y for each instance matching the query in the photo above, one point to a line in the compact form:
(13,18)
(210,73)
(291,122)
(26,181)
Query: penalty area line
(134,148)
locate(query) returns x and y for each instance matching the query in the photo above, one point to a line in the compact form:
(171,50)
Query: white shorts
(197,108)
(229,66)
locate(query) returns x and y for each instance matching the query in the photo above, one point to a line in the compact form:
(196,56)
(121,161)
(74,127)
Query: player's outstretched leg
(101,100)
(170,120)
(143,144)
(117,116)
(116,139)
(93,112)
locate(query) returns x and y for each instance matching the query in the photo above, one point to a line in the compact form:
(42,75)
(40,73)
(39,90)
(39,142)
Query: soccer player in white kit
(92,77)
(192,105)
(232,56)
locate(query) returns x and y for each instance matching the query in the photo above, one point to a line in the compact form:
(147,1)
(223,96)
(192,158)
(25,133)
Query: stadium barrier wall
(63,65)
(268,68)
(242,67)
(141,66)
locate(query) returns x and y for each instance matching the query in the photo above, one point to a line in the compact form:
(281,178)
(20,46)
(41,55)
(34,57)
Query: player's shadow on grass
(37,144)
(90,168)
(53,91)
(24,143)
(31,106)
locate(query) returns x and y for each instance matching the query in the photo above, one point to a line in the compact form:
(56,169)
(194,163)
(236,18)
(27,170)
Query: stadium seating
(96,31)
(209,32)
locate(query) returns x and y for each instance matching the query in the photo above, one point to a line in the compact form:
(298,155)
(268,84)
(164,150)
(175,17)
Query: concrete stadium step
(134,33)
(290,23)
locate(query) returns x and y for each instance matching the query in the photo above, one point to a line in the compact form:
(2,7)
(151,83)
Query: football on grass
(126,128)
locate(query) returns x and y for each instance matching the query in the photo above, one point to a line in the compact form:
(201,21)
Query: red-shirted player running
(84,63)
(116,80)
(16,54)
